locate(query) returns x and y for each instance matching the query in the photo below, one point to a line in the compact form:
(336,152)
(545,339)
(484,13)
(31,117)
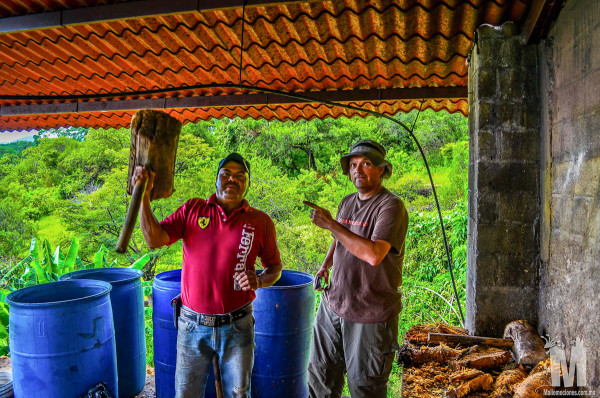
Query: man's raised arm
(367,250)
(154,234)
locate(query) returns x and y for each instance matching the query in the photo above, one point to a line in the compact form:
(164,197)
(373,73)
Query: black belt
(217,319)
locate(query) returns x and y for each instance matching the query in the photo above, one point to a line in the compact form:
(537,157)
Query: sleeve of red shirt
(175,223)
(269,254)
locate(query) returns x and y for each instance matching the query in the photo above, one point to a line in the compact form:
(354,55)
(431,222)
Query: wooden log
(417,334)
(505,384)
(482,358)
(529,347)
(482,382)
(479,383)
(415,355)
(537,383)
(463,375)
(453,339)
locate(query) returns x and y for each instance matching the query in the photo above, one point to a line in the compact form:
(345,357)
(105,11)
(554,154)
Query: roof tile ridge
(349,37)
(356,60)
(359,76)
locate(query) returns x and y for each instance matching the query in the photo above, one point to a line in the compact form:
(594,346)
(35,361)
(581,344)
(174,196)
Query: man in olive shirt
(356,327)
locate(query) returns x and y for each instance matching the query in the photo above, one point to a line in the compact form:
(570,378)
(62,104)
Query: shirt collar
(213,201)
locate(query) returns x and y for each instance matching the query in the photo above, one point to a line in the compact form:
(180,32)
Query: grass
(149,339)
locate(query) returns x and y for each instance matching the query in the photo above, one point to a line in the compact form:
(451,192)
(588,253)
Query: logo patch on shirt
(352,222)
(203,222)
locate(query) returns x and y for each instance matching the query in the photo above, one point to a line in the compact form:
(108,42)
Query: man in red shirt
(222,237)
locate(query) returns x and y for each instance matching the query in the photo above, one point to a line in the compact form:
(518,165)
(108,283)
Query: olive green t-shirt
(360,292)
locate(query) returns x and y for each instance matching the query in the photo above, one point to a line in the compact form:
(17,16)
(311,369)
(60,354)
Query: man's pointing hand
(320,217)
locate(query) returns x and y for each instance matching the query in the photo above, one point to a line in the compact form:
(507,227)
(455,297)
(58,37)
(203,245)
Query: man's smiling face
(232,182)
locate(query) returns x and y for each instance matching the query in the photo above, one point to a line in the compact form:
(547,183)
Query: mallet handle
(136,200)
(469,340)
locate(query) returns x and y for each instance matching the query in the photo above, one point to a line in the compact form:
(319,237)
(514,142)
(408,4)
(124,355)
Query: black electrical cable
(437,204)
(268,91)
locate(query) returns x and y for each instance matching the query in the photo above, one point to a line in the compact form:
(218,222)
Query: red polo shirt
(214,247)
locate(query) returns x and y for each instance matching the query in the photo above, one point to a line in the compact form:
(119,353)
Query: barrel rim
(10,299)
(161,279)
(299,286)
(76,275)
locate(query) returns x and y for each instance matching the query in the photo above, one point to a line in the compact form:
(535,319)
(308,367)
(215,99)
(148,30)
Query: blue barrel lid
(58,293)
(111,275)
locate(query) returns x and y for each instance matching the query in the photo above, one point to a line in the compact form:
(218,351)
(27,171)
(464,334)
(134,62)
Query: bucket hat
(370,149)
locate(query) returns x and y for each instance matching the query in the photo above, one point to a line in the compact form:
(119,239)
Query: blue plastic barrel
(127,300)
(62,339)
(167,285)
(284,316)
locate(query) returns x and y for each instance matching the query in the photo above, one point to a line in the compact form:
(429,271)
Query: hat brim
(235,157)
(377,161)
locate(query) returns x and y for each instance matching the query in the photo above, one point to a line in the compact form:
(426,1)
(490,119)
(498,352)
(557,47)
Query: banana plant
(101,259)
(140,262)
(23,265)
(3,322)
(48,267)
(41,261)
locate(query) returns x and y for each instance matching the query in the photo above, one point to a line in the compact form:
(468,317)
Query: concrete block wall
(569,303)
(504,178)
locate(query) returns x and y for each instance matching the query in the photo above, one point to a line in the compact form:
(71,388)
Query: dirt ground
(149,390)
(5,364)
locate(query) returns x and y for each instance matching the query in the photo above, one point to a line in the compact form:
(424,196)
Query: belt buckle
(209,320)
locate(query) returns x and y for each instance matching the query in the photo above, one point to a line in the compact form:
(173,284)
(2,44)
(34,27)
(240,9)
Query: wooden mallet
(154,139)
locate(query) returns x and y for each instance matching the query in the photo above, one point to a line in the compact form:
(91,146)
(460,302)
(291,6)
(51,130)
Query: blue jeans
(196,346)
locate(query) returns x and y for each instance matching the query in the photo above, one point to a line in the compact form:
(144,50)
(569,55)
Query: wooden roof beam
(539,19)
(84,106)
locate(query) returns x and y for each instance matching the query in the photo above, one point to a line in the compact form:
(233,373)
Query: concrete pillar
(504,174)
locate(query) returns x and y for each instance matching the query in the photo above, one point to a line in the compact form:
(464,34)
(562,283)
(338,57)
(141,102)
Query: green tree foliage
(27,191)
(14,148)
(317,144)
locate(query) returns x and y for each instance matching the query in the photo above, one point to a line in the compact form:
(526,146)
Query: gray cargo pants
(364,350)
